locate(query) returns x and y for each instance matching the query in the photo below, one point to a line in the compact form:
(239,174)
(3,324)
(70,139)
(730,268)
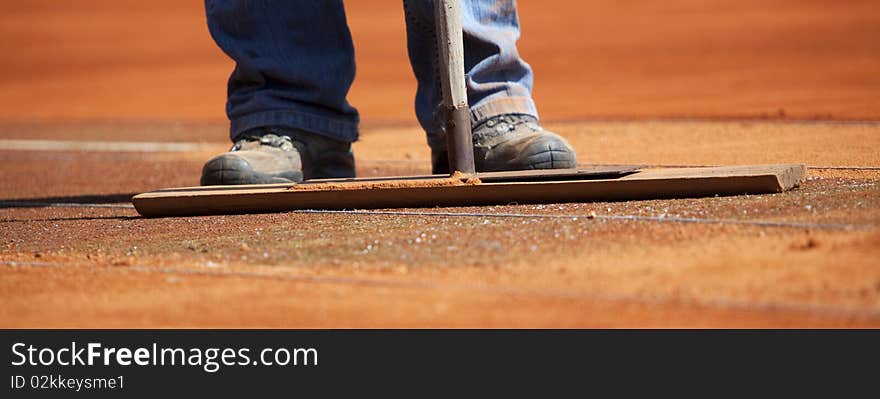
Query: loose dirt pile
(457,179)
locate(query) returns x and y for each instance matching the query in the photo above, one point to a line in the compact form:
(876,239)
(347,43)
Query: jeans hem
(502,106)
(487,109)
(325,126)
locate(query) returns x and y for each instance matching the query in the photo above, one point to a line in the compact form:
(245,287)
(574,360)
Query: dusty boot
(279,155)
(513,142)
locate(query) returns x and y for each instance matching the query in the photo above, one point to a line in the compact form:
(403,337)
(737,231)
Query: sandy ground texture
(807,258)
(101,99)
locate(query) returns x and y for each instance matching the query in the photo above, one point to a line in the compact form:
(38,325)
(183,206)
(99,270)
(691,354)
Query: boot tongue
(248,142)
(504,123)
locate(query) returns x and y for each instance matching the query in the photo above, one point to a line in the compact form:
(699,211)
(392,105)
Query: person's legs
(499,81)
(499,84)
(294,64)
(289,117)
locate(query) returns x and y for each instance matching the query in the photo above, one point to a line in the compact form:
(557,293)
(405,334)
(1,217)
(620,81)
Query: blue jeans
(295,64)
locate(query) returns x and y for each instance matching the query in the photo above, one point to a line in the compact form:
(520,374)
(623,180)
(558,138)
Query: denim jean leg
(498,80)
(294,64)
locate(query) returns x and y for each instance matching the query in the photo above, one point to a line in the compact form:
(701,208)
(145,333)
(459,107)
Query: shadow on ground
(67,200)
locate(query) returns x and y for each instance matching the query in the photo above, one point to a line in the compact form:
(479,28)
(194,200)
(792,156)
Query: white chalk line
(105,146)
(569,217)
(150,146)
(669,219)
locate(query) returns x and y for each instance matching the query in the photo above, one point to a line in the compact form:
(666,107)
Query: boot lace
(502,124)
(278,141)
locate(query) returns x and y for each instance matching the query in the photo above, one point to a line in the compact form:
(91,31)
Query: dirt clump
(456,179)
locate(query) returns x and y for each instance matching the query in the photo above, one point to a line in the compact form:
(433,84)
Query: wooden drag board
(608,183)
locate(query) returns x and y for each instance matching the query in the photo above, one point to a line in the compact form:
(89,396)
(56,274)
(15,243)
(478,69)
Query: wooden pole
(450,44)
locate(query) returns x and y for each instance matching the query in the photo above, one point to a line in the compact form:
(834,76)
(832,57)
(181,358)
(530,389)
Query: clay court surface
(105,99)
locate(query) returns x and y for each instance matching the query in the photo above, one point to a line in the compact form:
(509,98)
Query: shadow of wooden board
(604,184)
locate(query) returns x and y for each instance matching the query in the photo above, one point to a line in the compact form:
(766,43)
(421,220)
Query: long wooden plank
(645,184)
(592,172)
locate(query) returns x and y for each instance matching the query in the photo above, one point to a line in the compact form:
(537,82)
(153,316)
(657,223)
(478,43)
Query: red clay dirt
(106,71)
(590,265)
(801,59)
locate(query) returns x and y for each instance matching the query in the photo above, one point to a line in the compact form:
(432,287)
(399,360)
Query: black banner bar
(224,363)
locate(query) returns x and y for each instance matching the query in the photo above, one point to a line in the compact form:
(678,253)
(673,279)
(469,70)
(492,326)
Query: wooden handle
(450,44)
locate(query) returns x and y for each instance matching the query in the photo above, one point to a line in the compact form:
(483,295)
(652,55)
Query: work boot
(279,155)
(513,142)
